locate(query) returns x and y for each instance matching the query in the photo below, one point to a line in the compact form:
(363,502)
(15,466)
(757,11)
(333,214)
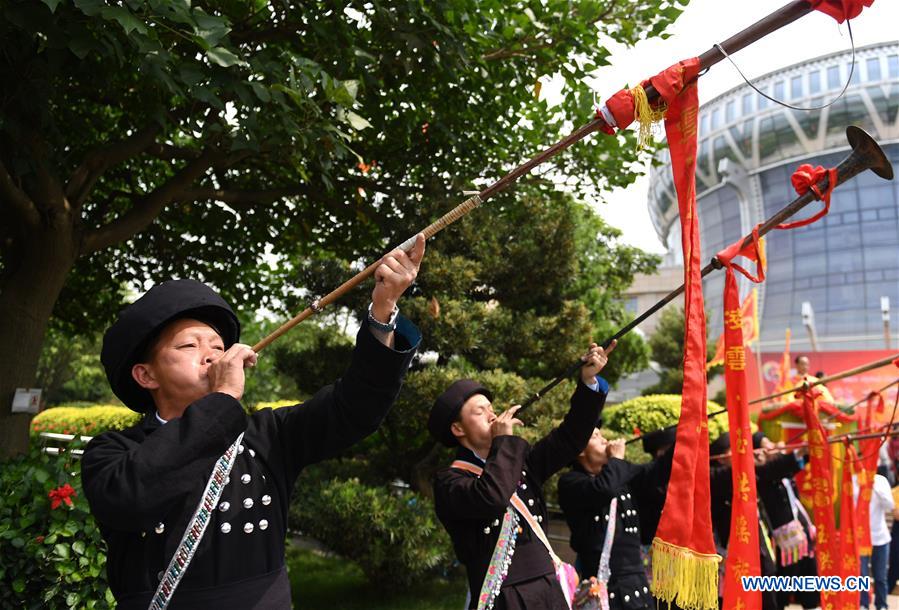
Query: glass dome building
(748,148)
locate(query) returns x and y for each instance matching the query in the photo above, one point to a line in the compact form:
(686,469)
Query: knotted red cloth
(841,10)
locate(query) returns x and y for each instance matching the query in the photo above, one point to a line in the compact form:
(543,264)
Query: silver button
(159,575)
(248,528)
(486,530)
(611,595)
(530,501)
(524,485)
(240,449)
(252,453)
(645,589)
(627,598)
(523,473)
(622,496)
(539,518)
(636,593)
(263,524)
(160,527)
(596,518)
(224,506)
(227,479)
(628,496)
(266,499)
(248,502)
(245,478)
(143,534)
(226,527)
(496,523)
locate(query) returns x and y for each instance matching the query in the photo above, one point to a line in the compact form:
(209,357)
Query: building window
(833,77)
(779,89)
(716,118)
(795,87)
(893,64)
(747,104)
(730,111)
(856,76)
(763,101)
(814,82)
(704,124)
(873,65)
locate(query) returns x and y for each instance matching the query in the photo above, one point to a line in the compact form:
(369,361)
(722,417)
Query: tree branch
(97,161)
(18,201)
(240,198)
(146,208)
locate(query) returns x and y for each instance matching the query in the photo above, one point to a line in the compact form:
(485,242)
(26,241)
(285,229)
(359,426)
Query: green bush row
(654,412)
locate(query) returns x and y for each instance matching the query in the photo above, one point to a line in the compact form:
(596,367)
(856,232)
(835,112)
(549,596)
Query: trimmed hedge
(654,412)
(393,536)
(94,419)
(88,421)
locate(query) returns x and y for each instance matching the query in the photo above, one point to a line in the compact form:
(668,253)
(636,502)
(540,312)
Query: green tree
(148,139)
(667,348)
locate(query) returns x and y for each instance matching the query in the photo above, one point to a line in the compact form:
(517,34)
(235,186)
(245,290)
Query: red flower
(39,539)
(61,494)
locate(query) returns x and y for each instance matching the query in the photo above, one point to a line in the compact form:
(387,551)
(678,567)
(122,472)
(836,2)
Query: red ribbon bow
(805,179)
(841,10)
(61,494)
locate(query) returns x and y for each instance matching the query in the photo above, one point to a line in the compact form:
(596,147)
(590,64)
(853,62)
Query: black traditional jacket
(144,483)
(471,508)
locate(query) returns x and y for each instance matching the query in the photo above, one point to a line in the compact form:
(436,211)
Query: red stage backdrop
(845,391)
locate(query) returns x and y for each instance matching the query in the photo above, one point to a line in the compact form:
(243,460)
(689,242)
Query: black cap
(447,406)
(142,321)
(721,444)
(658,439)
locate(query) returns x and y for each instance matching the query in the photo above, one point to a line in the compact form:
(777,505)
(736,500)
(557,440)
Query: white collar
(161,421)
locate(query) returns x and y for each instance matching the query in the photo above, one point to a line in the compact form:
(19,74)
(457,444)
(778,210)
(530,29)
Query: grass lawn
(331,583)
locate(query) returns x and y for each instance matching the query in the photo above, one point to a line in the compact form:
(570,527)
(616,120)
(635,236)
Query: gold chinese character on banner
(744,487)
(735,358)
(742,529)
(733,319)
(741,568)
(741,443)
(824,560)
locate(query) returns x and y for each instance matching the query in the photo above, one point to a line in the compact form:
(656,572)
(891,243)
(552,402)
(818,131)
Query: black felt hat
(447,406)
(658,439)
(142,321)
(721,444)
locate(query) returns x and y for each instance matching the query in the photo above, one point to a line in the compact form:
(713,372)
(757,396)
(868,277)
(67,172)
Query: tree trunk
(27,297)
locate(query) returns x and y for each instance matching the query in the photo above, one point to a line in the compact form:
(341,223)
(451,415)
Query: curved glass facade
(750,146)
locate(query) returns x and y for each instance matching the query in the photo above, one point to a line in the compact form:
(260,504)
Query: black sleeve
(561,446)
(129,484)
(777,468)
(578,490)
(344,413)
(466,497)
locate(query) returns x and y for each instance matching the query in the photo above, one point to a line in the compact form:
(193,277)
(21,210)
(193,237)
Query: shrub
(277,404)
(653,412)
(52,557)
(88,421)
(393,536)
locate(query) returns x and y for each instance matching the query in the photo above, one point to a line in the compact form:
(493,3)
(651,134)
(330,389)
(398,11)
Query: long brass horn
(866,154)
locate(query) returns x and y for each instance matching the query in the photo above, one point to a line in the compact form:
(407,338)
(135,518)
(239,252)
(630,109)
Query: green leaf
(78,547)
(61,551)
(124,18)
(91,8)
(18,585)
(225,58)
(41,475)
(261,92)
(52,4)
(357,122)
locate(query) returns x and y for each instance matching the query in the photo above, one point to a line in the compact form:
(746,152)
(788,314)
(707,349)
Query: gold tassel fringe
(645,115)
(682,576)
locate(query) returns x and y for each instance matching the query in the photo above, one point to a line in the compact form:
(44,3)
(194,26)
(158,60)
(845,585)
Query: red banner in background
(845,391)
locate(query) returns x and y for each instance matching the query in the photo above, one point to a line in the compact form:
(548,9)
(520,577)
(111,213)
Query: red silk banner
(684,558)
(850,565)
(869,448)
(743,548)
(821,464)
